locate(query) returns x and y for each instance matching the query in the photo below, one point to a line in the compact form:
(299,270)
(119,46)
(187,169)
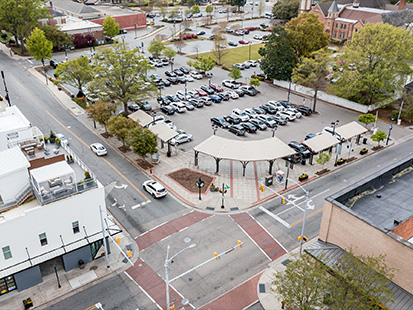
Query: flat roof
(164,132)
(321,142)
(12,160)
(350,130)
(382,199)
(12,119)
(51,171)
(141,117)
(79,24)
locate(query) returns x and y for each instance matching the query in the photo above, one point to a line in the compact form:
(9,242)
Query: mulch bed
(144,164)
(187,178)
(322,172)
(124,149)
(376,148)
(351,159)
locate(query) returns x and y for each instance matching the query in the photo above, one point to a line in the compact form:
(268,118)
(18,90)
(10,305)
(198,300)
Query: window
(341,26)
(336,25)
(335,34)
(43,239)
(75,226)
(7,252)
(345,26)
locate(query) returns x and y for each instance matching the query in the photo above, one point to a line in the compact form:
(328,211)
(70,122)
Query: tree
(163,10)
(235,73)
(379,136)
(20,17)
(110,27)
(173,13)
(75,72)
(120,126)
(169,53)
(121,73)
(190,63)
(204,63)
(255,82)
(180,45)
(311,72)
(100,112)
(220,47)
(238,3)
(56,36)
(302,284)
(40,47)
(278,56)
(306,34)
(409,110)
(367,118)
(375,64)
(261,8)
(209,9)
(286,9)
(195,9)
(143,141)
(156,48)
(322,159)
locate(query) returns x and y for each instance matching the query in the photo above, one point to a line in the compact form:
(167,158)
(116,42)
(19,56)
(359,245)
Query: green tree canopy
(110,27)
(169,52)
(20,17)
(379,136)
(311,72)
(286,9)
(120,72)
(120,127)
(204,63)
(279,57)
(367,118)
(306,34)
(375,64)
(195,9)
(255,82)
(75,72)
(56,36)
(238,3)
(209,9)
(156,48)
(39,46)
(235,73)
(322,159)
(143,141)
(100,112)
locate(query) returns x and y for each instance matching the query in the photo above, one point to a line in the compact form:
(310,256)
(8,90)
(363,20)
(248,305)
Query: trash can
(27,303)
(168,154)
(364,140)
(303,161)
(268,180)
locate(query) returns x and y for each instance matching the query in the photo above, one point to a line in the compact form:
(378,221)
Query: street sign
(227,187)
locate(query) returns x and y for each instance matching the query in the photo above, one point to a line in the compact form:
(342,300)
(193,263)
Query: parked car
(207,89)
(309,136)
(299,148)
(146,106)
(268,121)
(279,119)
(201,33)
(257,37)
(195,75)
(181,95)
(230,84)
(263,25)
(268,108)
(223,95)
(216,87)
(277,105)
(288,115)
(304,110)
(194,94)
(251,91)
(170,73)
(247,65)
(62,138)
(166,83)
(181,138)
(243,42)
(167,109)
(181,79)
(184,70)
(215,98)
(241,66)
(155,77)
(178,107)
(252,63)
(98,149)
(206,101)
(173,80)
(189,106)
(163,100)
(286,104)
(232,43)
(178,72)
(155,189)
(249,127)
(232,119)
(241,114)
(220,122)
(196,103)
(258,123)
(133,107)
(331,131)
(259,111)
(295,111)
(173,98)
(201,92)
(233,95)
(251,113)
(237,130)
(240,92)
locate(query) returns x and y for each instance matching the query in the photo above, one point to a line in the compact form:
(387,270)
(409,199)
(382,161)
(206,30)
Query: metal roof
(259,150)
(12,160)
(350,130)
(329,254)
(164,132)
(141,117)
(321,142)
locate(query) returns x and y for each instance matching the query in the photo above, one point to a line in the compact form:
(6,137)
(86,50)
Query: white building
(50,212)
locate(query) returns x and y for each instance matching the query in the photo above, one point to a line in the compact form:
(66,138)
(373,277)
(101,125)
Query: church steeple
(333,10)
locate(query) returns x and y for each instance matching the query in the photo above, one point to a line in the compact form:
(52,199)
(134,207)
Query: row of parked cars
(268,115)
(176,76)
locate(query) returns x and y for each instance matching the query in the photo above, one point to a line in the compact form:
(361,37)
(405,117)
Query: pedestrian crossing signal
(262,188)
(215,255)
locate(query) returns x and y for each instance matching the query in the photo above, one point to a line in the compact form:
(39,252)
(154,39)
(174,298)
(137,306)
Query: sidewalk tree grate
(210,209)
(262,288)
(234,209)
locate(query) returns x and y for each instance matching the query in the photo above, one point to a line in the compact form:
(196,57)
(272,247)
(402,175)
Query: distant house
(76,9)
(131,21)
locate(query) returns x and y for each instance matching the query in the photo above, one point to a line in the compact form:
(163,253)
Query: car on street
(241,114)
(231,84)
(62,138)
(251,91)
(233,95)
(167,109)
(258,123)
(201,33)
(249,127)
(264,25)
(232,43)
(268,108)
(195,75)
(299,148)
(304,110)
(290,116)
(220,122)
(257,37)
(232,119)
(98,149)
(155,189)
(215,98)
(181,138)
(268,121)
(207,89)
(178,107)
(216,87)
(237,130)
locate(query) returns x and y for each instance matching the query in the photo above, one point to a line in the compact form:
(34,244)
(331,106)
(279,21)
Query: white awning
(350,130)
(258,150)
(141,117)
(163,131)
(45,173)
(321,142)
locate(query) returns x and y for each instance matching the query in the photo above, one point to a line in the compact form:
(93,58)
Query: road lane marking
(279,243)
(140,204)
(275,217)
(145,292)
(104,159)
(308,216)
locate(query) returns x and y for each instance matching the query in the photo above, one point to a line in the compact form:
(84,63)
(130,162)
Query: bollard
(150,171)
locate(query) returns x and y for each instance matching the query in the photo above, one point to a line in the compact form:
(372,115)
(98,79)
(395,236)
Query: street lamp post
(249,56)
(186,89)
(334,124)
(200,184)
(210,75)
(214,128)
(171,60)
(136,34)
(153,115)
(289,89)
(390,128)
(273,131)
(5,88)
(167,261)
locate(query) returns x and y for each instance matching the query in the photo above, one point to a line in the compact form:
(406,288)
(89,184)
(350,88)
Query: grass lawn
(236,55)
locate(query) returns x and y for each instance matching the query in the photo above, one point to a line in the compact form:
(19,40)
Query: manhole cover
(185,301)
(190,279)
(187,240)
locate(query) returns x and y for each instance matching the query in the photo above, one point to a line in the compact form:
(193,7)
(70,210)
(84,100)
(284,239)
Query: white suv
(278,106)
(155,189)
(178,107)
(241,114)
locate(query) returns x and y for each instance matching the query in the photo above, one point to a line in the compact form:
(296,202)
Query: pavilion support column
(217,160)
(358,139)
(310,161)
(270,168)
(196,158)
(162,144)
(244,165)
(168,154)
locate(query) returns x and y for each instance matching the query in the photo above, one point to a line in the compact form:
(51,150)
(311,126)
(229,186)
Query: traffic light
(172,307)
(262,188)
(223,191)
(215,255)
(302,237)
(283,201)
(239,242)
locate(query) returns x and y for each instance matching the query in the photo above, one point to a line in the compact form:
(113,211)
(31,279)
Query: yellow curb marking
(308,216)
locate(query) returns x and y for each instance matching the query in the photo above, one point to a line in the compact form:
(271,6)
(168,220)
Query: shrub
(394,114)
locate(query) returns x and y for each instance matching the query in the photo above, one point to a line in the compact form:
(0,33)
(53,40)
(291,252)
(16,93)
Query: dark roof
(382,199)
(74,7)
(398,18)
(333,7)
(409,85)
(376,4)
(329,254)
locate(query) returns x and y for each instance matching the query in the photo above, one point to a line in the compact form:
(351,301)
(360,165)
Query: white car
(233,95)
(62,138)
(267,120)
(288,115)
(230,83)
(251,113)
(189,78)
(278,106)
(252,63)
(178,107)
(297,113)
(193,94)
(181,95)
(181,138)
(195,75)
(155,189)
(241,114)
(98,149)
(257,37)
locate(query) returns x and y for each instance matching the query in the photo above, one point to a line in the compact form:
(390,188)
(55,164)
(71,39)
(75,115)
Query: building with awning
(143,118)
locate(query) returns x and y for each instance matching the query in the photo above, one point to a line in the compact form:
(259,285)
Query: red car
(216,87)
(201,92)
(242,42)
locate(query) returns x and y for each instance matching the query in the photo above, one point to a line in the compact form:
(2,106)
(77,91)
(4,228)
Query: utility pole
(5,88)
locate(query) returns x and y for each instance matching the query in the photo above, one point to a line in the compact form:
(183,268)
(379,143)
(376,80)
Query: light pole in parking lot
(214,128)
(334,124)
(153,115)
(186,88)
(171,60)
(249,43)
(200,184)
(210,75)
(273,131)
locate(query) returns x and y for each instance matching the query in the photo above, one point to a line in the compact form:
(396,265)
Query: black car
(170,73)
(207,89)
(53,63)
(237,130)
(166,83)
(286,104)
(184,70)
(304,110)
(151,15)
(258,123)
(133,107)
(249,90)
(160,84)
(299,148)
(259,110)
(220,122)
(163,100)
(223,95)
(155,77)
(167,109)
(201,33)
(240,92)
(249,127)
(178,72)
(173,98)
(232,119)
(181,79)
(196,103)
(268,108)
(173,80)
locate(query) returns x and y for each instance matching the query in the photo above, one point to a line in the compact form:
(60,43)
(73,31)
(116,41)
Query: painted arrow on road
(121,186)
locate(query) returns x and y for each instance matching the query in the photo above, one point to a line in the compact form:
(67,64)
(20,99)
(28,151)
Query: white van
(269,15)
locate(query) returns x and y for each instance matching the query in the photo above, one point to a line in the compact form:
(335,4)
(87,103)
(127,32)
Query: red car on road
(242,42)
